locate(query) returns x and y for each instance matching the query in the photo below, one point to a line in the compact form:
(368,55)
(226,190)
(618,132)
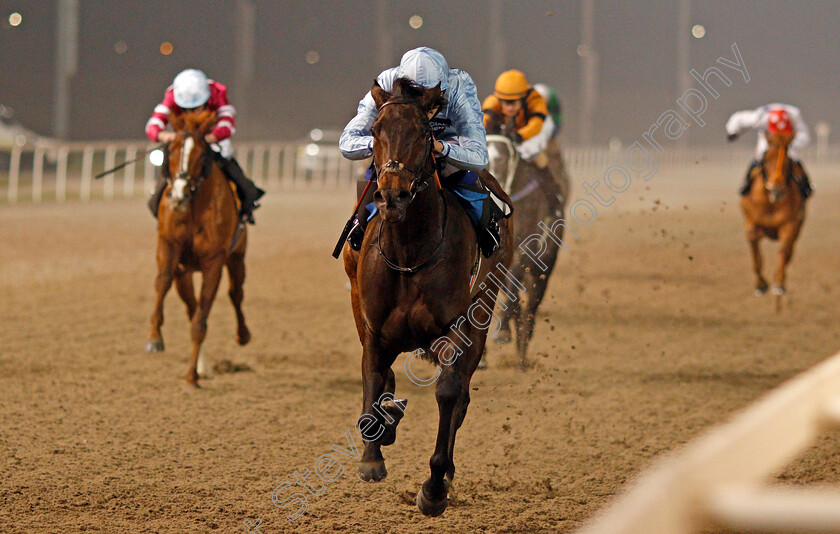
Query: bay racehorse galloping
(774,208)
(198,230)
(410,285)
(521,180)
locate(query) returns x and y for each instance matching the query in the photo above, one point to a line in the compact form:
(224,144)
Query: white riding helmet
(191,88)
(426,67)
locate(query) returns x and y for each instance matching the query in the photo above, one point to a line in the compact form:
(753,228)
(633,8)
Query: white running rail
(722,479)
(65,171)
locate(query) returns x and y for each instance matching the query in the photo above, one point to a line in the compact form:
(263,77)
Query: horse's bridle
(788,175)
(184,174)
(418,183)
(421,177)
(513,158)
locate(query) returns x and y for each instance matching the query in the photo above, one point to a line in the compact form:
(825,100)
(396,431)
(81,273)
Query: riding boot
(487,228)
(157,194)
(802,180)
(748,179)
(357,234)
(247,190)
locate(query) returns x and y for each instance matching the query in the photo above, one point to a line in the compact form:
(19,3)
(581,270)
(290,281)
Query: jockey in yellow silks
(514,97)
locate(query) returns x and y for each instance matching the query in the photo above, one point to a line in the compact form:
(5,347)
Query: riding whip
(121,165)
(349,226)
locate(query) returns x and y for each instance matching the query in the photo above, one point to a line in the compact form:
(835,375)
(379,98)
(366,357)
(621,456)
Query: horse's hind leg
(236,270)
(167,261)
(211,276)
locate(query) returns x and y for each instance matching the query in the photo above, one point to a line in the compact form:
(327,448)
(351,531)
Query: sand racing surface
(649,335)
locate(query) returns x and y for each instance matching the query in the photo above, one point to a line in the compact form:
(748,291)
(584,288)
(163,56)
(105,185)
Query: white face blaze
(180,184)
(185,154)
(178,187)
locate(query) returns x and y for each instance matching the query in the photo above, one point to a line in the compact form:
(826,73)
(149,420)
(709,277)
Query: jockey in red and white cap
(193,91)
(773,118)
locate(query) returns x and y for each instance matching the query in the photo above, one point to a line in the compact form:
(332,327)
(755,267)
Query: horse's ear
(432,100)
(380,95)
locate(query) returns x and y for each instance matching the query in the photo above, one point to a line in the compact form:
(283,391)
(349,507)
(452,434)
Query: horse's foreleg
(184,284)
(376,380)
(510,308)
(787,236)
(167,261)
(211,272)
(236,270)
(535,286)
(760,283)
(449,390)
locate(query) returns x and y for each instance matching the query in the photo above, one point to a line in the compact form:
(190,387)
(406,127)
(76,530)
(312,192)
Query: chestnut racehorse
(774,208)
(197,226)
(410,285)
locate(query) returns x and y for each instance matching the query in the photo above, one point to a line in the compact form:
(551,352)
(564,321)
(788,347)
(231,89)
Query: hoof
(760,291)
(778,291)
(503,337)
(396,409)
(429,507)
(243,336)
(154,345)
(372,471)
(192,378)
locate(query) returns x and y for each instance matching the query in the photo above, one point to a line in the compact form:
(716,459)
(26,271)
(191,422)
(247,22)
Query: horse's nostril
(377,196)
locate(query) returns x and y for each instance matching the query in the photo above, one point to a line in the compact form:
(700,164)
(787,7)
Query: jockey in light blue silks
(460,144)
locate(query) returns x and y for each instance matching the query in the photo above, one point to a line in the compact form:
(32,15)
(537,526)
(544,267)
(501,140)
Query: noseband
(420,177)
(184,173)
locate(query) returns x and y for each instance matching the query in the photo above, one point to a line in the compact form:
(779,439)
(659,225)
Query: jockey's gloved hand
(731,137)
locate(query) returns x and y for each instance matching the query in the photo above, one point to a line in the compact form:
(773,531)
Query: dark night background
(791,49)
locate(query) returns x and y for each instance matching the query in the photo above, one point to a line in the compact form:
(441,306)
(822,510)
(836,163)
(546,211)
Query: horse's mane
(405,89)
(197,122)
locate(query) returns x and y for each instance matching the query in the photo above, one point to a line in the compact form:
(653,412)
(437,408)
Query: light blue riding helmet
(191,88)
(426,67)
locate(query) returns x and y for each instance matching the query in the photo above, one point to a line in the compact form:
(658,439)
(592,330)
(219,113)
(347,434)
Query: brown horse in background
(197,226)
(410,286)
(521,180)
(774,208)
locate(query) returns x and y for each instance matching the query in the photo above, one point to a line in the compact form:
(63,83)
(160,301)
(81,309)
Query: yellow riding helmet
(511,85)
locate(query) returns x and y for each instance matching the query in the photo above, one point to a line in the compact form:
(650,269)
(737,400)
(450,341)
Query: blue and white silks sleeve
(464,110)
(356,141)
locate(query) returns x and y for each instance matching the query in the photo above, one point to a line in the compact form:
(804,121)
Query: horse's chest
(409,320)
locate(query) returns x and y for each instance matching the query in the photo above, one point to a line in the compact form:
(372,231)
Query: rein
(418,184)
(411,270)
